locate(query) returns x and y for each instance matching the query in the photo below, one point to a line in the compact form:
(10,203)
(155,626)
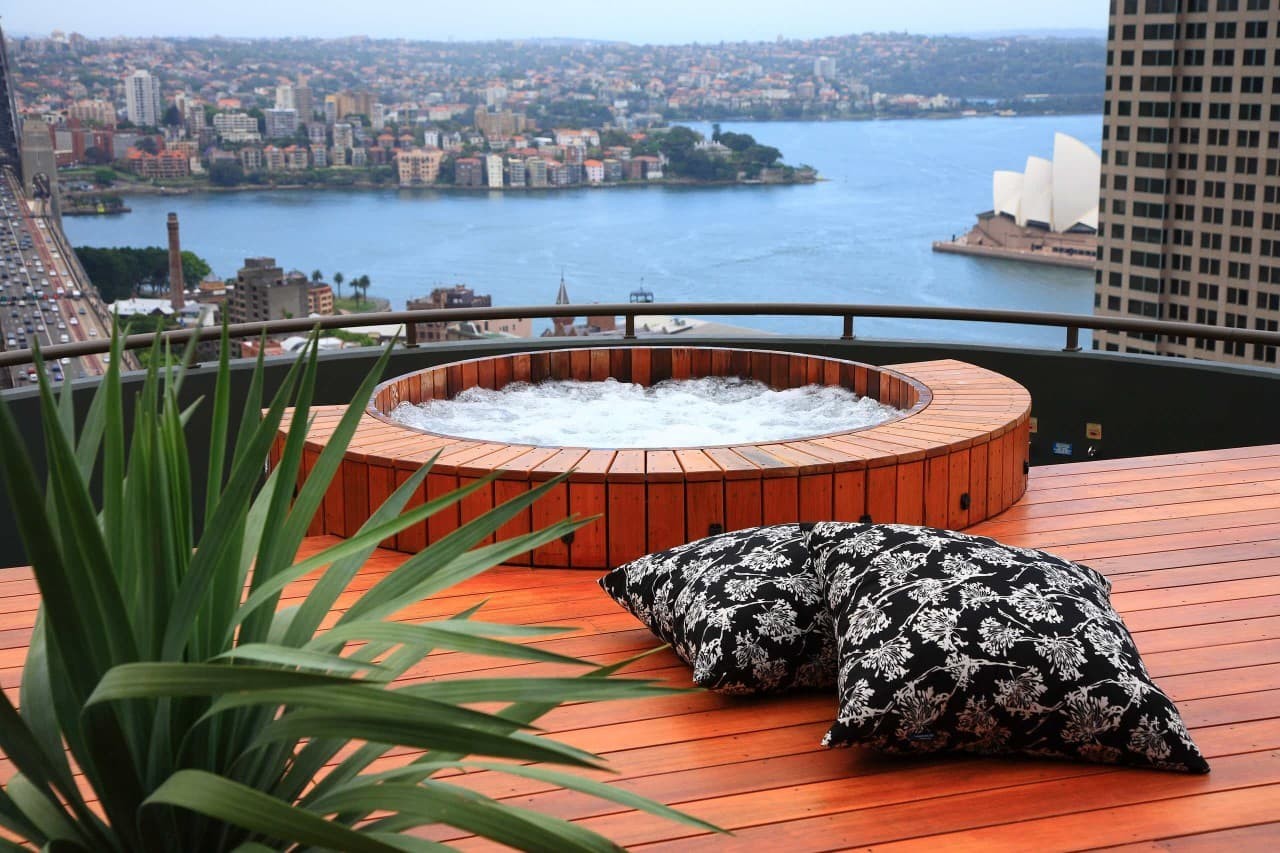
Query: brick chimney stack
(176,285)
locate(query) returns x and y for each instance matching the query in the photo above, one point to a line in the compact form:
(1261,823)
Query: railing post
(411,335)
(847,334)
(1073,339)
(629,330)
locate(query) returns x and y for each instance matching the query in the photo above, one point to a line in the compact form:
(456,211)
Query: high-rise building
(142,99)
(1190,193)
(284,98)
(264,292)
(824,67)
(493,171)
(281,123)
(302,101)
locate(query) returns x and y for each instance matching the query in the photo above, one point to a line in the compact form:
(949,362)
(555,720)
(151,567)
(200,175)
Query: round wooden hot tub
(958,455)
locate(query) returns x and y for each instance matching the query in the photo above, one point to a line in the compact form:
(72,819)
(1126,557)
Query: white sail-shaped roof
(1058,195)
(1006,192)
(1037,192)
(1076,172)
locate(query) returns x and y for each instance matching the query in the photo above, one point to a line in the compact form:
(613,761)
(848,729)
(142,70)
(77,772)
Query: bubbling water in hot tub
(674,413)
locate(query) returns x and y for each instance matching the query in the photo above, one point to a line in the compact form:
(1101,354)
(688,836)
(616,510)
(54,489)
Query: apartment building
(236,127)
(468,172)
(264,292)
(281,123)
(142,99)
(418,166)
(101,113)
(1190,197)
(493,171)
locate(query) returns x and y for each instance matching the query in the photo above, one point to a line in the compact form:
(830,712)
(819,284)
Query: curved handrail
(1072,323)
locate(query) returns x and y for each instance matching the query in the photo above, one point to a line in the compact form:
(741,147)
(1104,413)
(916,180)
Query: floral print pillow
(742,608)
(949,642)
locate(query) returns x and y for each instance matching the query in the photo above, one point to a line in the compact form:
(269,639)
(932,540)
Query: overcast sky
(656,21)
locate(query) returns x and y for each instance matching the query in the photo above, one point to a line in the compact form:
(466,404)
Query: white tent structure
(1060,195)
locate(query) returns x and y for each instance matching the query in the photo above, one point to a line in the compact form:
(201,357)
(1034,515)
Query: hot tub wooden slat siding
(958,458)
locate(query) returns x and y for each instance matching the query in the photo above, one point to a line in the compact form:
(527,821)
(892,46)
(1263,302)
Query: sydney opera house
(1047,213)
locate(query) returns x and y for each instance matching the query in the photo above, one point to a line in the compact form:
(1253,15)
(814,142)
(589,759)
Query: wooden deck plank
(1191,542)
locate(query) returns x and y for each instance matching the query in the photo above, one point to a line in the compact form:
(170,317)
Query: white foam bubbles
(675,413)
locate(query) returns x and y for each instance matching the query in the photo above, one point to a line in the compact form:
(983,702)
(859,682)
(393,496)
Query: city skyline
(664,21)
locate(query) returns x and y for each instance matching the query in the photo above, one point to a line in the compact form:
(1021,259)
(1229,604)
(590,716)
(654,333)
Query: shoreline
(1078,262)
(364,186)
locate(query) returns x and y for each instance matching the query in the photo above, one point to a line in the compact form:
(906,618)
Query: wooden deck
(1192,544)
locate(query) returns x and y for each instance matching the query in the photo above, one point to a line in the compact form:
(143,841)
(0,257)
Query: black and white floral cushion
(742,608)
(956,642)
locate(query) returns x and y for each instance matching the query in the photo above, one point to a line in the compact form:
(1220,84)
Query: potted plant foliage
(169,701)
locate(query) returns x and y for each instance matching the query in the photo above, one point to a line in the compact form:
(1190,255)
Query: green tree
(96,156)
(338,280)
(316,276)
(736,141)
(761,155)
(360,284)
(258,114)
(147,144)
(226,173)
(448,170)
(194,267)
(173,116)
(103,177)
(121,272)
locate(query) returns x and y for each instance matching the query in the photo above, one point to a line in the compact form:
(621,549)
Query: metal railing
(1071,323)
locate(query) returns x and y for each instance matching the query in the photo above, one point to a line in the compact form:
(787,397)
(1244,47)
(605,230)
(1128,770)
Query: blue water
(863,235)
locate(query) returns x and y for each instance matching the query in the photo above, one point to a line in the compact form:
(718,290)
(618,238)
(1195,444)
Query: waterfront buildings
(516,171)
(418,166)
(493,171)
(535,170)
(163,164)
(264,292)
(250,158)
(142,99)
(1190,193)
(467,172)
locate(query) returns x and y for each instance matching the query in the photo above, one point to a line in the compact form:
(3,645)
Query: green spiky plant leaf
(169,702)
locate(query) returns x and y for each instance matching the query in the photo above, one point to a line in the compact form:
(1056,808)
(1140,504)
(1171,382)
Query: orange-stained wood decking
(957,458)
(1192,545)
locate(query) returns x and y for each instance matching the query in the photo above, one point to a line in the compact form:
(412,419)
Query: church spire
(562,297)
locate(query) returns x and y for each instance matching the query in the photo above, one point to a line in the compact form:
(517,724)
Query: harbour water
(861,235)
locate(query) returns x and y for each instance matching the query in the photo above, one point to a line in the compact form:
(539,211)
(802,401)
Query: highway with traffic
(42,301)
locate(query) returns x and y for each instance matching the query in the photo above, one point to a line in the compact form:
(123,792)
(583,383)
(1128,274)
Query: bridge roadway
(34,261)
